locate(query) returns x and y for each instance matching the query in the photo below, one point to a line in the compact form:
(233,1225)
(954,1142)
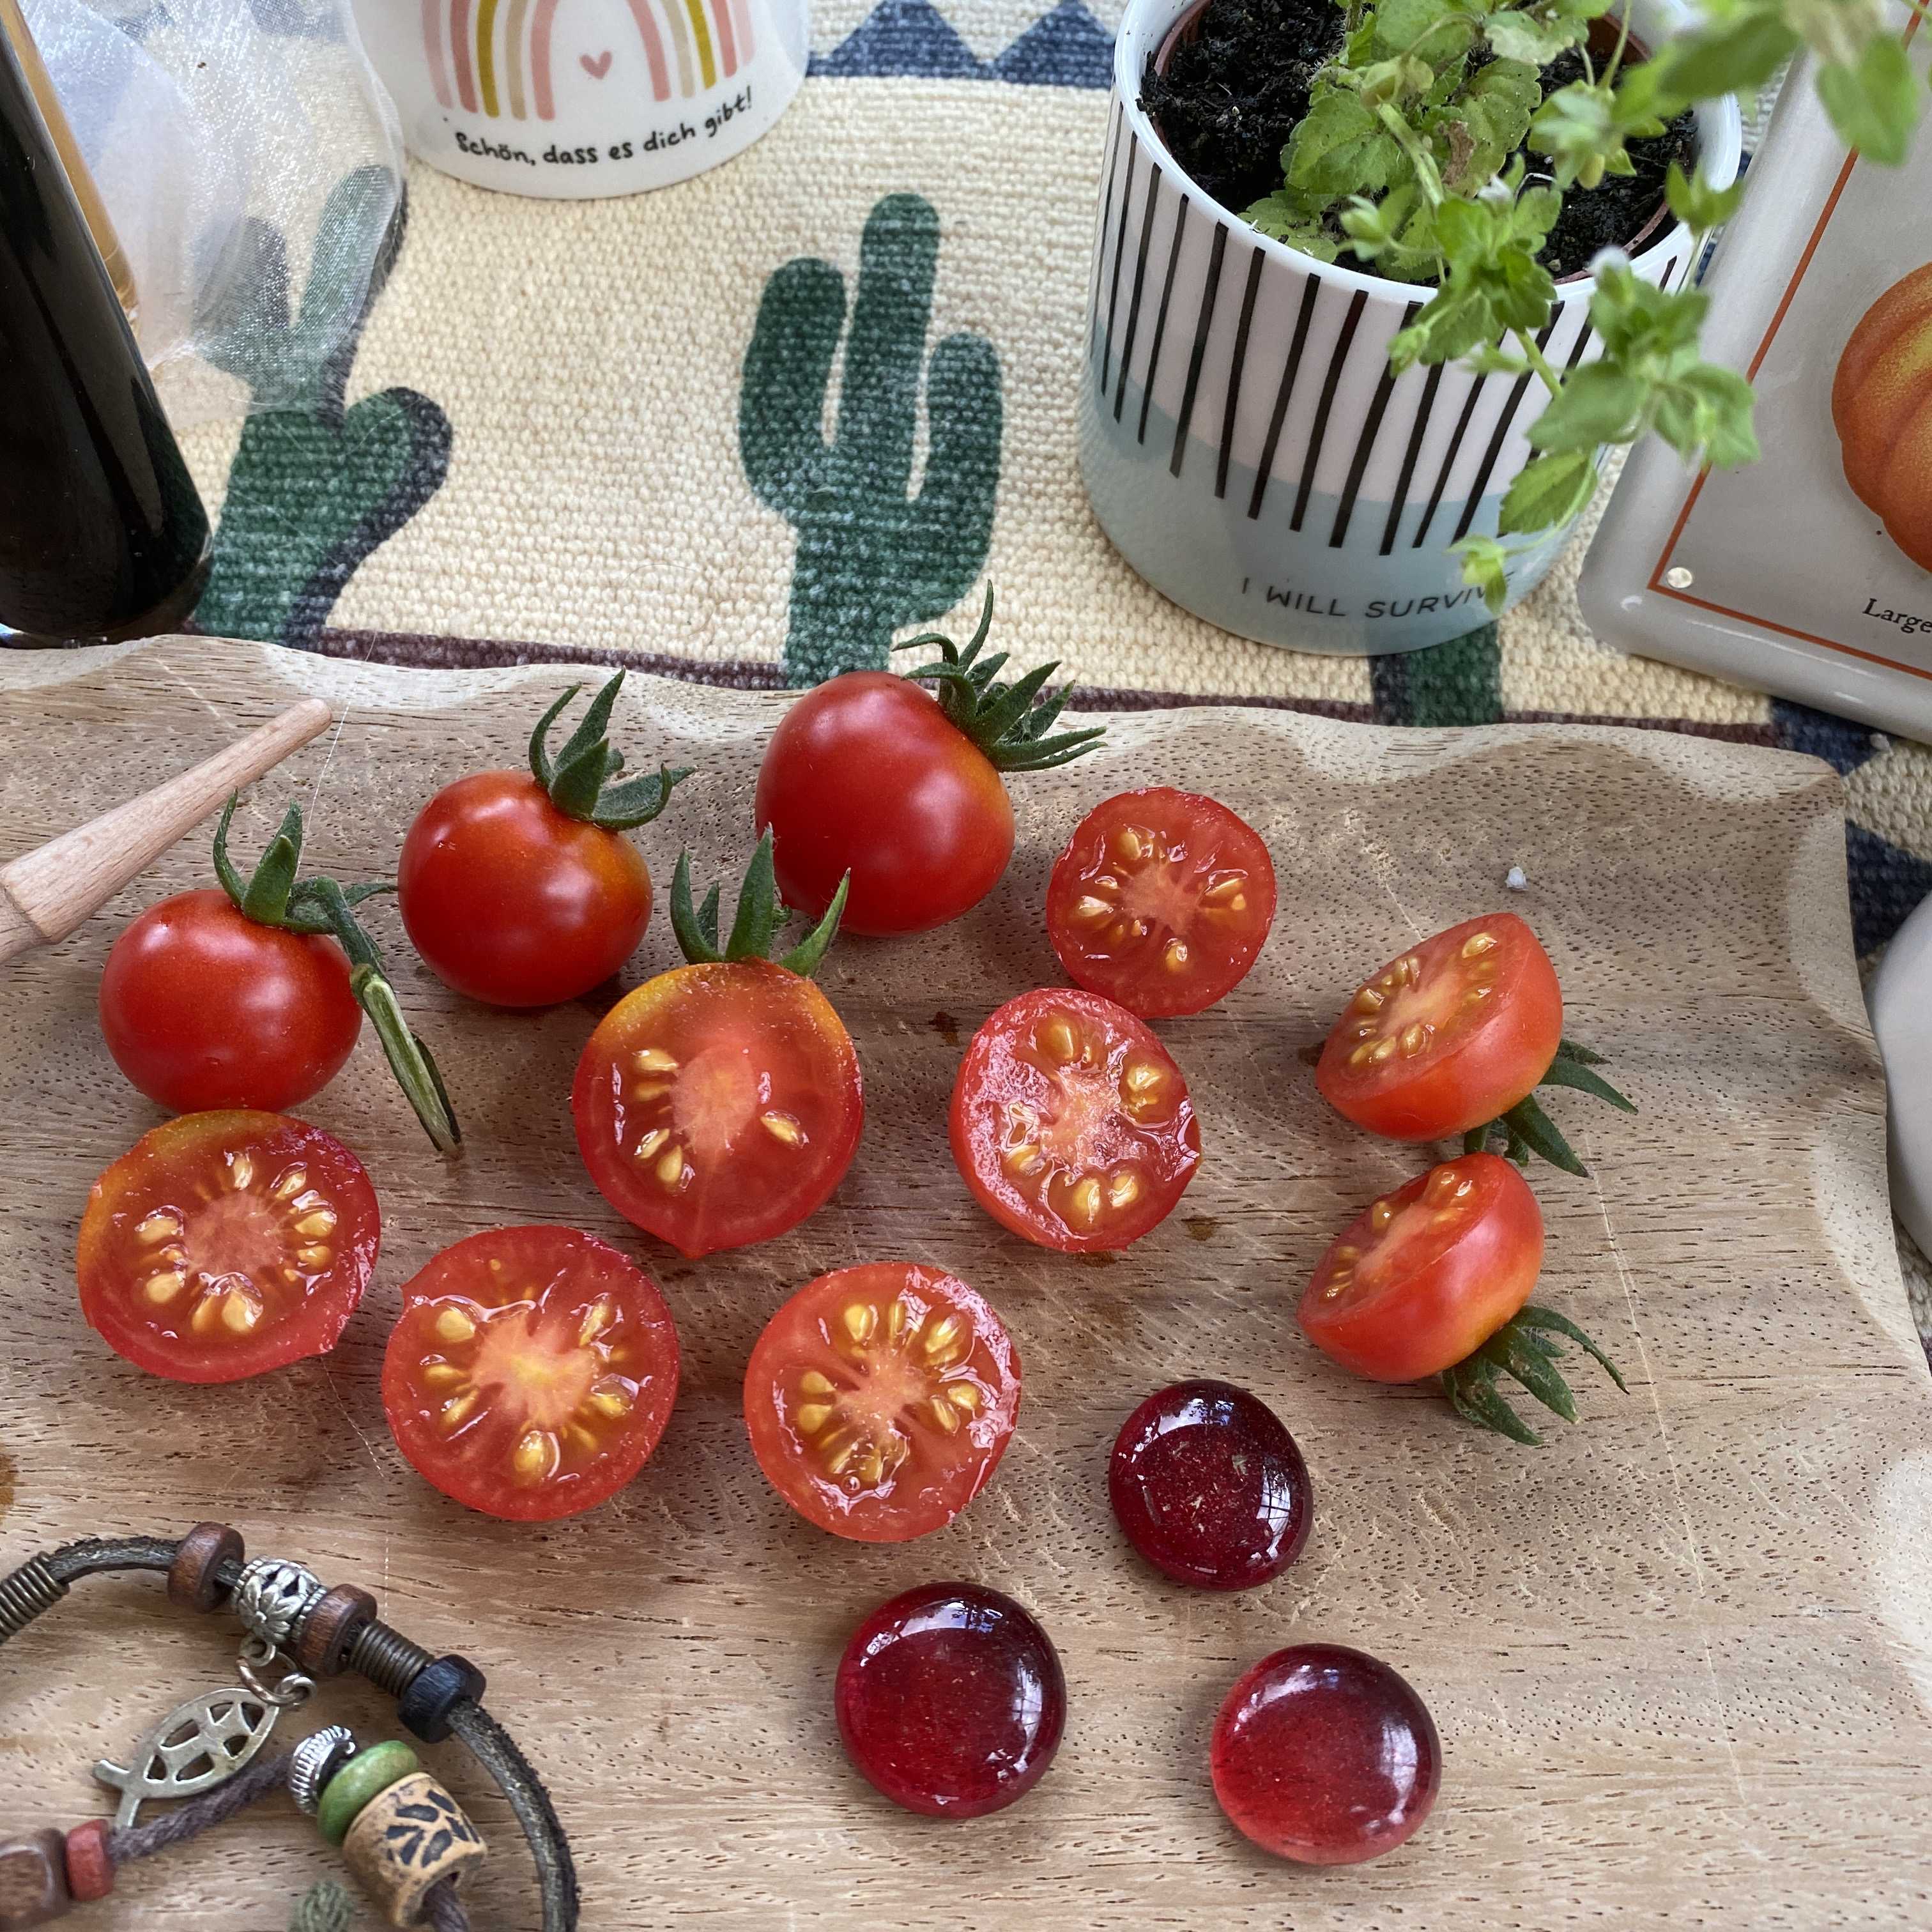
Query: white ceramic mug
(572,99)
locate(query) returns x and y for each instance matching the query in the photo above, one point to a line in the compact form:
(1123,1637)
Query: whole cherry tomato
(720,1103)
(518,888)
(1448,1036)
(871,777)
(222,1245)
(252,996)
(202,1008)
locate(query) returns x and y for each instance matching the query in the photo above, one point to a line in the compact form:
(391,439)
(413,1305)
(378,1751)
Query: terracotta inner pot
(1602,42)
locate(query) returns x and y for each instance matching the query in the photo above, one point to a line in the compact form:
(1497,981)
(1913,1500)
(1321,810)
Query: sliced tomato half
(223,1245)
(531,1373)
(1071,1123)
(1447,1036)
(719,1105)
(1422,1279)
(1161,901)
(880,1399)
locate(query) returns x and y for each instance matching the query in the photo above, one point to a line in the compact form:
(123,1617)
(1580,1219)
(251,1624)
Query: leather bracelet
(320,1632)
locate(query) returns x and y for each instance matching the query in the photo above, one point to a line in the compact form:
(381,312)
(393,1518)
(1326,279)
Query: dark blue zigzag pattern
(909,39)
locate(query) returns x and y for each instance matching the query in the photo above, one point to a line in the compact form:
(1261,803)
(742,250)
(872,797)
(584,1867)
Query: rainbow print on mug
(584,97)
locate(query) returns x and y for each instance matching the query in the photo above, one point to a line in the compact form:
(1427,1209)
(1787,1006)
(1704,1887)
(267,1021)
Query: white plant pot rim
(1720,144)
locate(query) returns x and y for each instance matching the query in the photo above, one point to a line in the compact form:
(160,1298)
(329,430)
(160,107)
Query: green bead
(358,1780)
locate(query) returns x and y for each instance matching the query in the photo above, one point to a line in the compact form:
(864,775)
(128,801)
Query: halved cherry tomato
(1429,1274)
(203,1008)
(511,901)
(223,1245)
(531,1373)
(880,1399)
(1070,1123)
(718,1104)
(1161,901)
(1449,1036)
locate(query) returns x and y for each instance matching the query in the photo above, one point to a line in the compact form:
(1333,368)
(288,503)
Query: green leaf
(1874,102)
(1597,403)
(1520,36)
(1548,492)
(1534,1317)
(1731,56)
(1568,1073)
(1339,148)
(1400,24)
(1529,1124)
(1696,203)
(1485,568)
(1705,412)
(1283,216)
(1451,323)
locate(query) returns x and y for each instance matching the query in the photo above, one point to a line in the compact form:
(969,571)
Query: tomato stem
(1527,1130)
(274,896)
(760,916)
(578,779)
(1520,1349)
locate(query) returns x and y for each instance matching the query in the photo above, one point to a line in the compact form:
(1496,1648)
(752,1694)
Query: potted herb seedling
(1364,408)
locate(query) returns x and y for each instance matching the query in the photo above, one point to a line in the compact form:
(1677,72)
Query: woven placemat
(538,450)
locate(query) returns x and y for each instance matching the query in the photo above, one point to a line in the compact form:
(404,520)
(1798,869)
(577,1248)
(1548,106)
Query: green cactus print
(314,488)
(870,557)
(1460,683)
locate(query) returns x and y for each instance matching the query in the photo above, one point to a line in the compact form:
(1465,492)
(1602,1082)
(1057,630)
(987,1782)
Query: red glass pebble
(1325,1756)
(1209,1487)
(951,1700)
(90,1871)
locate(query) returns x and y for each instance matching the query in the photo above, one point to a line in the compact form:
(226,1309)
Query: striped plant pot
(1244,441)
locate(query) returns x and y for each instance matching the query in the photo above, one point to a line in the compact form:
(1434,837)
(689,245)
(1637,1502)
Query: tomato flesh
(866,774)
(513,902)
(223,1245)
(1449,1036)
(531,1373)
(1161,901)
(879,1399)
(1429,1274)
(1071,1123)
(204,1010)
(719,1105)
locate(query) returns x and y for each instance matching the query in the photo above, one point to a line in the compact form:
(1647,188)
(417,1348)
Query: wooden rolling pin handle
(45,894)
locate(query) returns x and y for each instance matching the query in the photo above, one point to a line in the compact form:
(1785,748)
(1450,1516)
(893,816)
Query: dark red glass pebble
(951,1700)
(1209,1487)
(1325,1756)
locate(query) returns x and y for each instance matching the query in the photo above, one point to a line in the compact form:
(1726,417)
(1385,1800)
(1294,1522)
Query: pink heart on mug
(598,68)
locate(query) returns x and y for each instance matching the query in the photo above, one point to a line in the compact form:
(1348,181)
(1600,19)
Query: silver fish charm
(199,1744)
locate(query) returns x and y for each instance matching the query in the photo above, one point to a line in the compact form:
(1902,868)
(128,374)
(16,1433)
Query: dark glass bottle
(102,535)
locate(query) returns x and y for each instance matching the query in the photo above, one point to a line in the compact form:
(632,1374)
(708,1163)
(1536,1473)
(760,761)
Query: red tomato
(717,1106)
(513,902)
(221,1245)
(1448,1036)
(531,1373)
(1161,901)
(1429,1274)
(881,1400)
(1070,1123)
(867,775)
(202,1009)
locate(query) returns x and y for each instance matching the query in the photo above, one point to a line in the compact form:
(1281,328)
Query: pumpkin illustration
(1882,409)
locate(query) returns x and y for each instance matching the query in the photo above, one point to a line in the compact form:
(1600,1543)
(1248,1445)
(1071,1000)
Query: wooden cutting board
(1680,1657)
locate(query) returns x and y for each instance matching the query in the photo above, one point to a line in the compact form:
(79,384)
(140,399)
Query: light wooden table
(1680,1657)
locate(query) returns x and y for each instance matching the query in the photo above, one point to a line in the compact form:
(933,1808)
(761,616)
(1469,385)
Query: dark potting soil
(1233,93)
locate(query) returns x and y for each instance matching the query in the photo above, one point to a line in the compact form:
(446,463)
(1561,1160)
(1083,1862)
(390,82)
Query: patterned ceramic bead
(33,1880)
(358,1780)
(405,1840)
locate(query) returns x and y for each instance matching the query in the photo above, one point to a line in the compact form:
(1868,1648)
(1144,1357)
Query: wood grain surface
(1680,1657)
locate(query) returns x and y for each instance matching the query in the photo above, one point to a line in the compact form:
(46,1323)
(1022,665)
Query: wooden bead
(90,1871)
(33,1880)
(202,1551)
(323,1641)
(406,1839)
